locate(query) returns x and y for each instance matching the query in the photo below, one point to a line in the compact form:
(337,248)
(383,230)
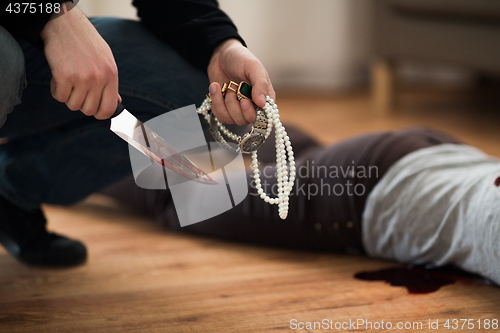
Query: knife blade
(132,130)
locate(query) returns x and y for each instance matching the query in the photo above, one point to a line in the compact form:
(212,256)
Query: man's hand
(232,61)
(84,72)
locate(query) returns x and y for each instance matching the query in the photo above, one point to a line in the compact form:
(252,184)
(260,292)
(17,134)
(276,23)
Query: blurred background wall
(310,45)
(318,44)
(119,8)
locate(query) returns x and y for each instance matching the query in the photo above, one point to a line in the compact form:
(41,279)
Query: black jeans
(326,204)
(57,156)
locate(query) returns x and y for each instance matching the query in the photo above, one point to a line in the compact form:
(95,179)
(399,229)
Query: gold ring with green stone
(244,91)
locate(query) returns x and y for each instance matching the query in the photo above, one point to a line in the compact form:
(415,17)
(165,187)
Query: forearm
(27,20)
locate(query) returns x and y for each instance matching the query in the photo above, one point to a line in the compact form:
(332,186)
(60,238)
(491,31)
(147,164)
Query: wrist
(227,43)
(57,20)
(222,47)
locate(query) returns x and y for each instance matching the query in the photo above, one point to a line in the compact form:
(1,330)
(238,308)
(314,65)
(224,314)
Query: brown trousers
(326,204)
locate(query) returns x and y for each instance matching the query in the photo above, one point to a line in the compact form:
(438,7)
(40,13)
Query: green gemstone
(246,90)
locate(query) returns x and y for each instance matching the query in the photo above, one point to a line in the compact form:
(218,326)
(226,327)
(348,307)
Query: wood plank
(383,86)
(144,279)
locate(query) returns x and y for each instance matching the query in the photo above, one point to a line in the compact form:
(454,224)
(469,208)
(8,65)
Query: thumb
(261,86)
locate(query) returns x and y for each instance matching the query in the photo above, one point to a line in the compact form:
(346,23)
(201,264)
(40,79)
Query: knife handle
(119,109)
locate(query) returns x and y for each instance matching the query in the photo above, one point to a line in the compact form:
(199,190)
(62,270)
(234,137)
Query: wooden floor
(143,279)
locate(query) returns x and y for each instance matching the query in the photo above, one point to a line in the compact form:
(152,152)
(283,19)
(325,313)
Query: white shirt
(438,205)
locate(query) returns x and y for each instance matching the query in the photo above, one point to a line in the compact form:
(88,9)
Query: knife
(145,140)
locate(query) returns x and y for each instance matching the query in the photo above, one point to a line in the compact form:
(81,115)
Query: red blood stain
(419,280)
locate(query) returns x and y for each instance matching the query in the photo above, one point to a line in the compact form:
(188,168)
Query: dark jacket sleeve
(193,27)
(26,25)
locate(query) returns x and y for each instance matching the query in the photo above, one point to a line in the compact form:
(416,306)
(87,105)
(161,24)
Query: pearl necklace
(283,145)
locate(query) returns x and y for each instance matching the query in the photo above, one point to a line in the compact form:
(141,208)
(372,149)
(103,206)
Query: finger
(108,102)
(92,102)
(234,108)
(60,92)
(272,93)
(218,104)
(261,86)
(76,99)
(248,111)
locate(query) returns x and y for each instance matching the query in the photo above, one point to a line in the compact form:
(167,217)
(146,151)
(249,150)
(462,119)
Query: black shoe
(24,235)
